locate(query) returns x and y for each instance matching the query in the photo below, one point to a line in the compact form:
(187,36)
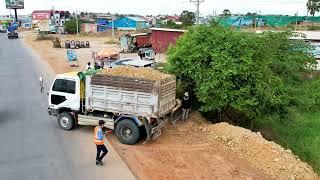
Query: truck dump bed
(153,97)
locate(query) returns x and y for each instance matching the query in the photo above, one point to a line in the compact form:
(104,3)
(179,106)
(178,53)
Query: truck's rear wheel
(127,132)
(65,121)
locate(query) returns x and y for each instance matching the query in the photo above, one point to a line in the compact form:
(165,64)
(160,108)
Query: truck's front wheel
(65,121)
(127,132)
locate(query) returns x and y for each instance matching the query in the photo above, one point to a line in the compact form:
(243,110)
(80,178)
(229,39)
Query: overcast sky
(144,7)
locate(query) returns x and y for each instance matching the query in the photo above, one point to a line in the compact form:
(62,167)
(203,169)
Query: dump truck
(130,106)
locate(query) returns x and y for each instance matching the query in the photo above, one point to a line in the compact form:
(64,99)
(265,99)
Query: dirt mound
(265,155)
(183,152)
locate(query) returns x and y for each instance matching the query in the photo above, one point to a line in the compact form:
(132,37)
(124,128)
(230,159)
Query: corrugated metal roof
(166,29)
(42,11)
(135,18)
(49,11)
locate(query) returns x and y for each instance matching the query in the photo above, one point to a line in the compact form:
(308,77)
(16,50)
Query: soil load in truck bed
(146,80)
(139,91)
(141,73)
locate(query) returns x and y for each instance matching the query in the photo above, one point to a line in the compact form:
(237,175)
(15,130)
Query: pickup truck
(128,105)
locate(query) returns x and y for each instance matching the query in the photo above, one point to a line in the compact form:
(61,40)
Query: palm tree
(226,12)
(313,6)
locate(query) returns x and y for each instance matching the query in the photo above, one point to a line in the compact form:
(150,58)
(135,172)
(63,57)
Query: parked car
(131,62)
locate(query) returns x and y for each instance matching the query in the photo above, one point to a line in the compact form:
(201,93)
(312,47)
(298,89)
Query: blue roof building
(129,23)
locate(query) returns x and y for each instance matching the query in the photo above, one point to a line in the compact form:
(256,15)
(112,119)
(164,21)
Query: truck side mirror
(41,84)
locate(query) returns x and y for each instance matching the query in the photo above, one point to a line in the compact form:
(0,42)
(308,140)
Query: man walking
(88,66)
(98,140)
(186,106)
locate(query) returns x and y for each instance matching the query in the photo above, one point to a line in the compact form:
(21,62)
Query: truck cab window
(66,86)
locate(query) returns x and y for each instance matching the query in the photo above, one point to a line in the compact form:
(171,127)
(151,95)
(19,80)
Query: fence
(271,20)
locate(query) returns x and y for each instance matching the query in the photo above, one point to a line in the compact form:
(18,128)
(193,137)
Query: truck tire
(127,132)
(65,121)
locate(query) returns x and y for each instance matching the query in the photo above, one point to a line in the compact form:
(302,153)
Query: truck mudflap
(176,112)
(153,133)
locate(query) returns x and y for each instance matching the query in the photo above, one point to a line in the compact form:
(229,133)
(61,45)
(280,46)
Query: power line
(197,3)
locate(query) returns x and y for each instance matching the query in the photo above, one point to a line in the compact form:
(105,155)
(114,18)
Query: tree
(313,6)
(188,18)
(242,72)
(226,12)
(71,26)
(213,22)
(82,14)
(253,16)
(171,24)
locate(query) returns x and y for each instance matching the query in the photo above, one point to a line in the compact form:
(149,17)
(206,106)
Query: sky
(155,7)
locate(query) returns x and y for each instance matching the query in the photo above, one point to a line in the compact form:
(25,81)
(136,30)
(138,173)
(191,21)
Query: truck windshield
(63,85)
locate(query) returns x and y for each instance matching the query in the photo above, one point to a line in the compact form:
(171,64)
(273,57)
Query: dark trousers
(99,149)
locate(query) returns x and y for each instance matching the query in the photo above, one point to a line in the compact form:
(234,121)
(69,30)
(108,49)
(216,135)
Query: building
(174,18)
(105,16)
(162,38)
(89,28)
(152,21)
(55,18)
(129,23)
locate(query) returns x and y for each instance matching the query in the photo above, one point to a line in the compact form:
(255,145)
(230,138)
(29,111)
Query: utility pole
(197,3)
(296,21)
(112,26)
(77,22)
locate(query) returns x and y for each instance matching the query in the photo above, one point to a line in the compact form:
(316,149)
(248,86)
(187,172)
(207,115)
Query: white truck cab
(64,93)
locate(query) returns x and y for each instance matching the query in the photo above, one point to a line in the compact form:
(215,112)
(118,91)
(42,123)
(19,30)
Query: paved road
(32,147)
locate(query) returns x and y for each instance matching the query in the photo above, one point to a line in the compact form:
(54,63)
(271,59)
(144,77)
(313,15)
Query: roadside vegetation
(299,130)
(264,82)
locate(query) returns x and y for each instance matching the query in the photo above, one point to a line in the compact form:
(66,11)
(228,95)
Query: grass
(111,41)
(44,37)
(300,133)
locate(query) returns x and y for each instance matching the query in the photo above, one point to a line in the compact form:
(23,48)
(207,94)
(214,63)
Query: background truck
(132,43)
(130,106)
(12,32)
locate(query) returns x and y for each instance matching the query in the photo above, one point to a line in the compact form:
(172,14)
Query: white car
(131,62)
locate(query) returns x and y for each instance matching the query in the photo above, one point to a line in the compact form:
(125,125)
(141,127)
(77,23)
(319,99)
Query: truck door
(65,93)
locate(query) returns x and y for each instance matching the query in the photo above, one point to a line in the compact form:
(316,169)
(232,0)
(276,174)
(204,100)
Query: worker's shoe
(100,163)
(97,162)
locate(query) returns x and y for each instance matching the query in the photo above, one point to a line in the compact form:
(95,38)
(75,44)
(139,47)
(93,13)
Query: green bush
(233,71)
(314,28)
(71,26)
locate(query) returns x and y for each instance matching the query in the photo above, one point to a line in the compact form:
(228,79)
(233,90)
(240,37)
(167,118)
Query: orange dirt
(57,58)
(189,150)
(184,152)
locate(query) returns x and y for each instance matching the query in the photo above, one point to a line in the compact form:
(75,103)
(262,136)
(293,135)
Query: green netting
(271,20)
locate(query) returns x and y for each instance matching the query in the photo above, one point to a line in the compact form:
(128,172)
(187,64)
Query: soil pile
(265,155)
(141,73)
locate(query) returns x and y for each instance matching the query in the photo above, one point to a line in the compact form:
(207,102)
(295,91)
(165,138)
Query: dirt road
(32,146)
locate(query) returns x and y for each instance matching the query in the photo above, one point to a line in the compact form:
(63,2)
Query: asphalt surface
(32,147)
